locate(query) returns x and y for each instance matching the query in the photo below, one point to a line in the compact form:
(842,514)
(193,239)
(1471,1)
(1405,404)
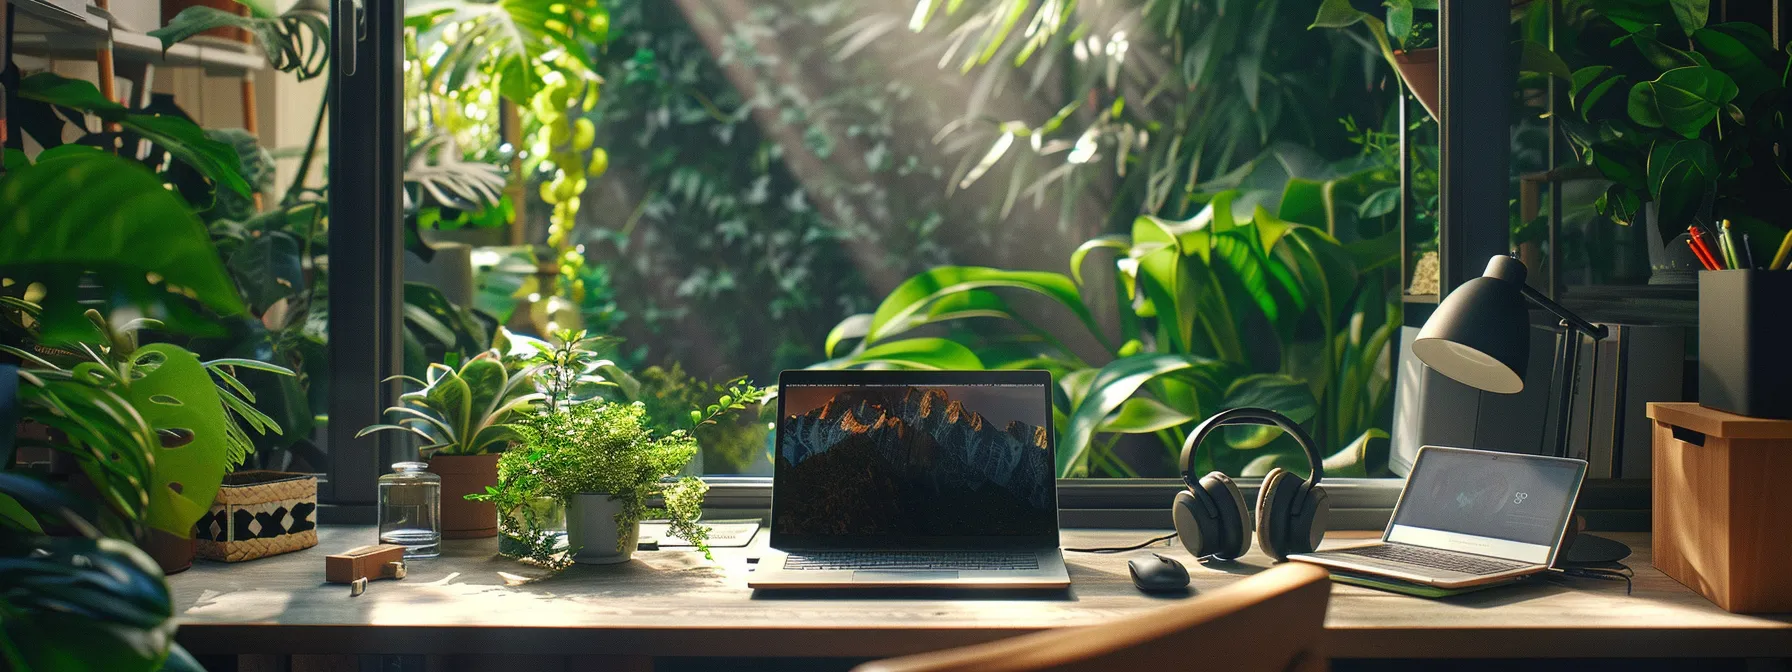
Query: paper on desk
(722,533)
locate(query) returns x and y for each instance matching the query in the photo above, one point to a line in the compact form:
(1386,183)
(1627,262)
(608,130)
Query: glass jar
(411,510)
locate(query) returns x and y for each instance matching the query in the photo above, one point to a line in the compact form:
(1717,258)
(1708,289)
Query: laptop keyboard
(897,560)
(1425,557)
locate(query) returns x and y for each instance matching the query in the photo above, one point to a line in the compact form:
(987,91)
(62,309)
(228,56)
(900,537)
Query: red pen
(1700,244)
(1704,258)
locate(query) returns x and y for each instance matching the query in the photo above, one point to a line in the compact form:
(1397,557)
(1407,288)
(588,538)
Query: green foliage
(1678,112)
(183,139)
(1160,96)
(1217,311)
(672,399)
(166,482)
(465,411)
(88,213)
(438,330)
(80,600)
(572,370)
(819,171)
(606,448)
(296,41)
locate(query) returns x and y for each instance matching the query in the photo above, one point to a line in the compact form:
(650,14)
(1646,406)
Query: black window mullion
(1477,75)
(366,123)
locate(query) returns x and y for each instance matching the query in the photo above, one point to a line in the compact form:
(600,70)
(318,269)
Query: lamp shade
(1480,333)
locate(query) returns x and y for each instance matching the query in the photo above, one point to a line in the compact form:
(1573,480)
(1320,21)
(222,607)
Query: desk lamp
(1480,336)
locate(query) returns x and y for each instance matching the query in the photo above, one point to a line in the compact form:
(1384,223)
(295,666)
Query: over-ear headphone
(1211,517)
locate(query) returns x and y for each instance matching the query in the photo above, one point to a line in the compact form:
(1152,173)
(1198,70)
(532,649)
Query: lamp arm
(1596,331)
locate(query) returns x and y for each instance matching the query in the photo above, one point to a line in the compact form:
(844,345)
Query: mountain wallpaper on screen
(909,461)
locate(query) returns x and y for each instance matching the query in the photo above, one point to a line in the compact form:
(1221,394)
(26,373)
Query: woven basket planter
(257,514)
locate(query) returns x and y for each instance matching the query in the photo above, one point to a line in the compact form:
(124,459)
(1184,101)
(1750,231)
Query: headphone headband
(1252,416)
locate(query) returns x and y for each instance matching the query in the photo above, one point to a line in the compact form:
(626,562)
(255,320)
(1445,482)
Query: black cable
(1614,572)
(1123,549)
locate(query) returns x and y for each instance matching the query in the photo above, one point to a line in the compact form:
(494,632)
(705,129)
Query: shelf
(1667,305)
(1418,298)
(46,31)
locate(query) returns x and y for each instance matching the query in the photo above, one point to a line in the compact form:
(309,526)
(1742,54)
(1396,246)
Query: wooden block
(1719,524)
(367,562)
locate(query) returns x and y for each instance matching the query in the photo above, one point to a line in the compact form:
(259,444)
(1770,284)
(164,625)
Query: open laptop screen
(1497,504)
(908,459)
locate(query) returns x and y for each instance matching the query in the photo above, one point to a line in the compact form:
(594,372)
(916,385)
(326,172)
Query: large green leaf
(176,393)
(93,212)
(509,39)
(918,293)
(919,353)
(217,161)
(1366,457)
(1289,396)
(297,41)
(1691,14)
(1144,415)
(1680,173)
(1111,387)
(1684,99)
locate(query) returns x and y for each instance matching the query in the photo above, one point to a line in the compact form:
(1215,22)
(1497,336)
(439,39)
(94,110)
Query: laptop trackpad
(901,576)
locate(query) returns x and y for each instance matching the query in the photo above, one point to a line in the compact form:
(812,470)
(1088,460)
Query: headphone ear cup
(1187,514)
(1282,529)
(1235,517)
(1271,515)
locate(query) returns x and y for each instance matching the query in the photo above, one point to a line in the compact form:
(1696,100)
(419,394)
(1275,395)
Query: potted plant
(463,417)
(1682,117)
(1412,52)
(151,428)
(603,460)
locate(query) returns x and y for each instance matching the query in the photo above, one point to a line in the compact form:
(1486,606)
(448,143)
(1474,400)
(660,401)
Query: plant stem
(317,126)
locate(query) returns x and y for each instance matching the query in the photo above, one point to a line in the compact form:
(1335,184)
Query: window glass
(1174,207)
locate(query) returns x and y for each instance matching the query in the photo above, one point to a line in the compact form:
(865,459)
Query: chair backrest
(1271,622)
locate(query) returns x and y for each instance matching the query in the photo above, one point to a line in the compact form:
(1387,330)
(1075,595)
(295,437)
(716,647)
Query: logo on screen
(1519,497)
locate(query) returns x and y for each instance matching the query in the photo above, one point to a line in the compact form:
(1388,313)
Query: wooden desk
(674,603)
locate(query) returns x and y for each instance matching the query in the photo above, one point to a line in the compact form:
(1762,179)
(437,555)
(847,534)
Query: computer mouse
(1159,574)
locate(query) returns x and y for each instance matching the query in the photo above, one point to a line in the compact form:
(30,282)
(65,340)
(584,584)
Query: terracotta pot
(172,8)
(464,475)
(591,528)
(173,554)
(1418,68)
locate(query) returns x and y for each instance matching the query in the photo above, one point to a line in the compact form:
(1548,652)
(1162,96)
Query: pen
(1780,258)
(1702,243)
(1703,256)
(1725,239)
(1748,253)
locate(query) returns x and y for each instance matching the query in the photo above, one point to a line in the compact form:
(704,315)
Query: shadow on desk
(954,594)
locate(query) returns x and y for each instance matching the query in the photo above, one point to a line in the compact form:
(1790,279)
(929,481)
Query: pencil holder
(1745,342)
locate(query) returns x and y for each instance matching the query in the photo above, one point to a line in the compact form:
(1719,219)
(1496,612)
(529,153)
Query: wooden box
(1721,511)
(257,514)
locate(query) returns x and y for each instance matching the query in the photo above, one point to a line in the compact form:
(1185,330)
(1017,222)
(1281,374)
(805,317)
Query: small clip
(359,586)
(393,570)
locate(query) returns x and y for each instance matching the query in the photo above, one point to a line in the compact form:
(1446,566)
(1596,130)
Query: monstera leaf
(90,212)
(183,139)
(177,397)
(296,41)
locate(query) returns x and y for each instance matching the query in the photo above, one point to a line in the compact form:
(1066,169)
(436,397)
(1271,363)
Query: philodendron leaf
(1111,387)
(1683,100)
(1283,394)
(96,213)
(217,161)
(1366,457)
(919,292)
(297,41)
(919,353)
(1691,14)
(1144,415)
(176,393)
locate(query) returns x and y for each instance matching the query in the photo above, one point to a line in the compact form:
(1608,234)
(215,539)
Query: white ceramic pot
(591,527)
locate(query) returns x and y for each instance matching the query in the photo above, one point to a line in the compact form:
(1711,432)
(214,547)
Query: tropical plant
(465,411)
(1158,96)
(572,369)
(1400,25)
(77,601)
(295,41)
(166,477)
(1681,113)
(1217,311)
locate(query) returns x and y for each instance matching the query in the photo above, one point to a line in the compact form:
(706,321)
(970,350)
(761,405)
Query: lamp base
(1588,549)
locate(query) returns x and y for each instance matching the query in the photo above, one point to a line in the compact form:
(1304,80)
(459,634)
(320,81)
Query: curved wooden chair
(1271,622)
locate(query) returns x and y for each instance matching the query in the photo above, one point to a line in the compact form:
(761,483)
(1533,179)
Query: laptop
(913,479)
(1468,518)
